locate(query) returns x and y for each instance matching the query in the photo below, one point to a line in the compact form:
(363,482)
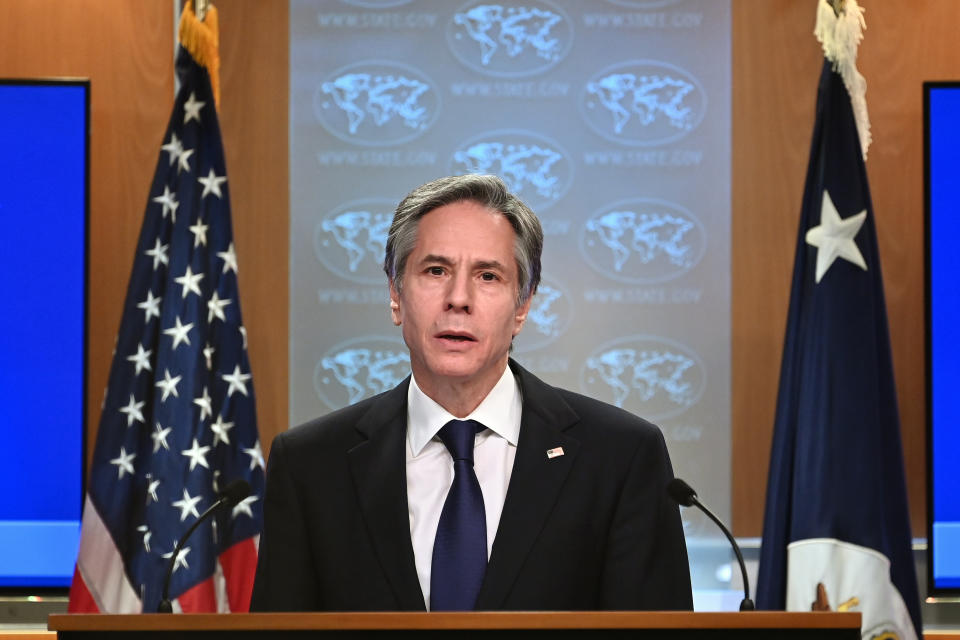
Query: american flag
(178,421)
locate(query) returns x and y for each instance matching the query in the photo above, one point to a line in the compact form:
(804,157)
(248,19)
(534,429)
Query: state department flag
(178,420)
(836,532)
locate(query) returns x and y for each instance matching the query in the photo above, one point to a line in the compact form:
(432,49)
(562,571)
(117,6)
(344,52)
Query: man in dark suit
(473,484)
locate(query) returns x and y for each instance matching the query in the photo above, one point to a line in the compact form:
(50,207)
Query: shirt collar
(500,412)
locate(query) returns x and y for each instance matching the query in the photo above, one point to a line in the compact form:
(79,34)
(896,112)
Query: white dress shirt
(430,466)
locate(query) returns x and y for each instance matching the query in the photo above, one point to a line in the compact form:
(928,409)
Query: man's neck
(459,397)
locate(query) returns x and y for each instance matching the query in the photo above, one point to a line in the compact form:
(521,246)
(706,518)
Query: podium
(472,625)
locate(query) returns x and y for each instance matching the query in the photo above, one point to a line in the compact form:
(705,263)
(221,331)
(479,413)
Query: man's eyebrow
(434,258)
(489,264)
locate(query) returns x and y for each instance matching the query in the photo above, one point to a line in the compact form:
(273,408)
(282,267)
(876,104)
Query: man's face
(458,306)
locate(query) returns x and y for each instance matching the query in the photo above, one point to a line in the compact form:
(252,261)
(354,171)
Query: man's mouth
(454,336)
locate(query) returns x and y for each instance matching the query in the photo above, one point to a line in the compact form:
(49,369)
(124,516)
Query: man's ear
(395,314)
(521,315)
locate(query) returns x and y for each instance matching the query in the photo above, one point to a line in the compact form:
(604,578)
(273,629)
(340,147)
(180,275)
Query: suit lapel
(378,469)
(535,484)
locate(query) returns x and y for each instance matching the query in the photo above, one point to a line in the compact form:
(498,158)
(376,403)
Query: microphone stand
(684,495)
(233,494)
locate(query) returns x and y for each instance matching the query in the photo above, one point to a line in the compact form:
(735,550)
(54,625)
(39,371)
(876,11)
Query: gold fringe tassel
(202,40)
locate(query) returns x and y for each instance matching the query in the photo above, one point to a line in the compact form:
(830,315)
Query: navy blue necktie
(460,548)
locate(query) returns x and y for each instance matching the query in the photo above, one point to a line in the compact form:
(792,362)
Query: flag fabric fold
(836,532)
(178,420)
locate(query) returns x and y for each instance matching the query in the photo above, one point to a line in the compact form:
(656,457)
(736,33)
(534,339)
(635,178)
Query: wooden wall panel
(773,102)
(124,48)
(254,51)
(776,64)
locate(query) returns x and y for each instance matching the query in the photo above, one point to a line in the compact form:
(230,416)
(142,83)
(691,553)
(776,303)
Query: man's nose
(460,292)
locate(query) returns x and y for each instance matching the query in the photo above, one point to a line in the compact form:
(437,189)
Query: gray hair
(487,191)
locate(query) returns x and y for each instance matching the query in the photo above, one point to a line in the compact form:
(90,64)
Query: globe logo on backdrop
(360,368)
(642,240)
(351,240)
(376,103)
(534,167)
(643,103)
(510,41)
(550,315)
(653,377)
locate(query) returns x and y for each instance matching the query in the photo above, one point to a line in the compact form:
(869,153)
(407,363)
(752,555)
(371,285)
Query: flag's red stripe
(239,563)
(80,599)
(200,598)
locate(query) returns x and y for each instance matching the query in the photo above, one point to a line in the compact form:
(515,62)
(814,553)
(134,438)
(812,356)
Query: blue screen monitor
(942,199)
(44,133)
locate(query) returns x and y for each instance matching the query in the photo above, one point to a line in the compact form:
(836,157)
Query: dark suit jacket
(591,529)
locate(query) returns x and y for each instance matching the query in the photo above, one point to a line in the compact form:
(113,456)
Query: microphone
(233,494)
(684,495)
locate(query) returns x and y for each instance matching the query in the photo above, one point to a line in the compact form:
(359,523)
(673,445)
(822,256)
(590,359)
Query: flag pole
(202,6)
(200,35)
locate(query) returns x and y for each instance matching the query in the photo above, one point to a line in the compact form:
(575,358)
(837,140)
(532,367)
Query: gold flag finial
(201,37)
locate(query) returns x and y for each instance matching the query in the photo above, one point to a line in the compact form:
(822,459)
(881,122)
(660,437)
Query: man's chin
(461,368)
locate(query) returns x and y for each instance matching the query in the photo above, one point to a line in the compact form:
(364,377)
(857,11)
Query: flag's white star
(133,411)
(191,108)
(221,431)
(152,489)
(181,560)
(208,352)
(158,253)
(834,237)
(141,359)
(170,204)
(160,438)
(168,385)
(124,462)
(146,536)
(211,184)
(199,231)
(244,507)
(190,282)
(187,506)
(256,456)
(206,409)
(216,481)
(215,308)
(150,306)
(197,455)
(174,148)
(184,160)
(243,334)
(229,258)
(237,380)
(179,332)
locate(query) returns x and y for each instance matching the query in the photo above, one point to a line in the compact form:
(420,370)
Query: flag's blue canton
(178,419)
(836,468)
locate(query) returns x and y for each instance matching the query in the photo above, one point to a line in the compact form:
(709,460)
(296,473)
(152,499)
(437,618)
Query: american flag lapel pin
(556,452)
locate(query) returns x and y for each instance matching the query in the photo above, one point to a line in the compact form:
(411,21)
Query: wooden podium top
(492,620)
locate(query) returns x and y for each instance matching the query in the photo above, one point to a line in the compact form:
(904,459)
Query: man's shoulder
(597,417)
(341,426)
(605,417)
